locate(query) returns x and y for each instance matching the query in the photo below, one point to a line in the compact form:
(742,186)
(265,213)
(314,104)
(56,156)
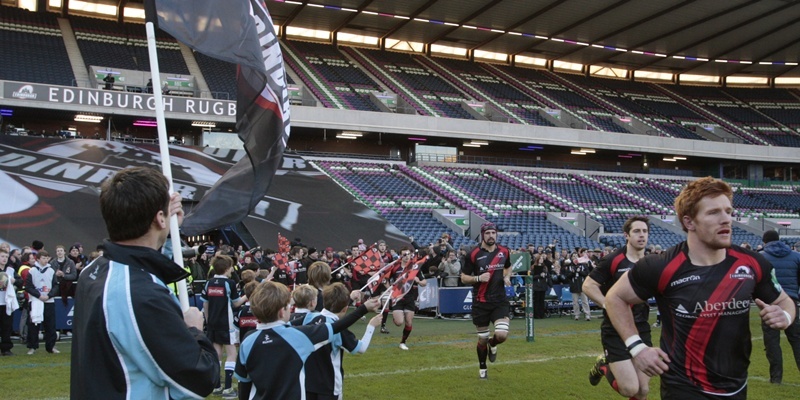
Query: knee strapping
(483,335)
(501,326)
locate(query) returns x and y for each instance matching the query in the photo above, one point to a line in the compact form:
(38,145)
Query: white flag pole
(163,145)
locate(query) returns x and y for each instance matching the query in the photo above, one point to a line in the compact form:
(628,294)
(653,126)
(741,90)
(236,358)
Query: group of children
(283,354)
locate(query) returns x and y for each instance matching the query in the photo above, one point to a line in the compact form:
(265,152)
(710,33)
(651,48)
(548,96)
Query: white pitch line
(471,365)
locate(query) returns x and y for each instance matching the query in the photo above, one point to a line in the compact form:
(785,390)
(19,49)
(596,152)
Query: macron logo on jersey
(681,309)
(216,292)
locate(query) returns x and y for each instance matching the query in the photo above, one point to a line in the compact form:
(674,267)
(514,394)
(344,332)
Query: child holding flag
(271,361)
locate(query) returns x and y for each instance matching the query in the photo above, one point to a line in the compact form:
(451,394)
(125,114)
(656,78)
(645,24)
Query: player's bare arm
(650,360)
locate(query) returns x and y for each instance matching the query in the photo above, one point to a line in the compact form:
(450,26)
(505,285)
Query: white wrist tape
(788,317)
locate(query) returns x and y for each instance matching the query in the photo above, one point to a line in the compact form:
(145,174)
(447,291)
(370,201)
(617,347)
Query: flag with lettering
(239,32)
(403,284)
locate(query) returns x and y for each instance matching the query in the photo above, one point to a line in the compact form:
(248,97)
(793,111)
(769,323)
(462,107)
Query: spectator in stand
(66,274)
(414,243)
(220,298)
(574,275)
(149,87)
(36,246)
(8,304)
(297,270)
(319,276)
(28,260)
(450,270)
(77,258)
(41,285)
(786,264)
(361,246)
(109,81)
(258,257)
(383,252)
(540,274)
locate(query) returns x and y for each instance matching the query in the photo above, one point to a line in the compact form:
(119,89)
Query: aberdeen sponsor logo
(742,272)
(719,308)
(25,92)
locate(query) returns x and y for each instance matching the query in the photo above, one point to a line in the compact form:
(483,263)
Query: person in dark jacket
(786,264)
(541,270)
(131,340)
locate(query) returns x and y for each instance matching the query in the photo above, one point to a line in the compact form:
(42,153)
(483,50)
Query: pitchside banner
(456,300)
(520,262)
(51,188)
(108,99)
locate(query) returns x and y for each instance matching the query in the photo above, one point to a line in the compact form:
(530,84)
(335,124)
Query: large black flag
(240,32)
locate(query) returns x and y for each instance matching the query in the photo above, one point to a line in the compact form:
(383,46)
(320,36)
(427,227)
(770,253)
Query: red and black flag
(239,32)
(369,260)
(405,282)
(281,259)
(384,273)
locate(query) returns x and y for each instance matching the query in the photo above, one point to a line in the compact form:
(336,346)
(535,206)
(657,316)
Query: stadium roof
(704,37)
(748,38)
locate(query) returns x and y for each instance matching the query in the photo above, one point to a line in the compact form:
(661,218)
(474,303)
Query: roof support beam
(745,43)
(632,25)
(518,23)
(716,35)
(577,23)
(677,30)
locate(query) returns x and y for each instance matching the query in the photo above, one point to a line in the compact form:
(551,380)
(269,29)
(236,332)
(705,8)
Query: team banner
(379,276)
(51,188)
(240,32)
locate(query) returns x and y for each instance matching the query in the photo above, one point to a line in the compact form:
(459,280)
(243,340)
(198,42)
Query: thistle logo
(742,272)
(24,93)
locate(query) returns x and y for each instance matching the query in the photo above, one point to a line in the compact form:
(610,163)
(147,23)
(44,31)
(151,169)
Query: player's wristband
(637,349)
(635,345)
(788,317)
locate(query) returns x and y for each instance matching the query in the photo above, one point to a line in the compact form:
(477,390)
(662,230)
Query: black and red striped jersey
(705,312)
(480,260)
(607,272)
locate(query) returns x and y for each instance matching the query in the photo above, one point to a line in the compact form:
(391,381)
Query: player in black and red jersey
(615,364)
(704,288)
(403,311)
(487,268)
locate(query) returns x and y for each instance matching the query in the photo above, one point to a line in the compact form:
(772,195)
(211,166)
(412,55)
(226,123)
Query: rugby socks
(493,342)
(229,366)
(384,317)
(482,352)
(406,332)
(610,377)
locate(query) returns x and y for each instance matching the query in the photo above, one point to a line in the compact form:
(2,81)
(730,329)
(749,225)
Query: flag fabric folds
(281,259)
(404,282)
(382,274)
(369,260)
(240,32)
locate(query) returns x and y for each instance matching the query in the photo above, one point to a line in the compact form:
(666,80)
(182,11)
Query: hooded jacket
(786,264)
(131,341)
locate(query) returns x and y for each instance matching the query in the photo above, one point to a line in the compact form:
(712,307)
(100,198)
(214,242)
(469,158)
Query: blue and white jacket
(130,340)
